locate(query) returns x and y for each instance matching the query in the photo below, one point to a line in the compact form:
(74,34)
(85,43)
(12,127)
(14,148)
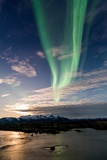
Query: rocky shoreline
(55,126)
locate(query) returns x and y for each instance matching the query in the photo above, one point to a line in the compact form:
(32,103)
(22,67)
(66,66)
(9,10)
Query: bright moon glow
(19,107)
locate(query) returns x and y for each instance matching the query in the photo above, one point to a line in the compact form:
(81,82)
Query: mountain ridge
(30,118)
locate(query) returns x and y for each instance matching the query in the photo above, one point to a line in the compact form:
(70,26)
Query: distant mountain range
(33,118)
(49,124)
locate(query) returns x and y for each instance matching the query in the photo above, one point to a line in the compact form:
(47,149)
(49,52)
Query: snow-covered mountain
(33,118)
(9,120)
(38,117)
(42,118)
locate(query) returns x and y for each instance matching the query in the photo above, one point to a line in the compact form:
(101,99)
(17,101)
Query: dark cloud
(73,111)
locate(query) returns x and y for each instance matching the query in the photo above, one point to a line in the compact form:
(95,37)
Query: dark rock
(52,148)
(78,130)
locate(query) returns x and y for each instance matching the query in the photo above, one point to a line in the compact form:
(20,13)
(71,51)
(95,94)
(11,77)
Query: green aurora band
(70,36)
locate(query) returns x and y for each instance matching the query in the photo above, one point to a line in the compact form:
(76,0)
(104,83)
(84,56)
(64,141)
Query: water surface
(86,145)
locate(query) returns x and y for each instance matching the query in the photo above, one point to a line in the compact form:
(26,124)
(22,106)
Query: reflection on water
(11,144)
(12,138)
(85,145)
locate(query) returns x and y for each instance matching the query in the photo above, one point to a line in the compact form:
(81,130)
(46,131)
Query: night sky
(25,71)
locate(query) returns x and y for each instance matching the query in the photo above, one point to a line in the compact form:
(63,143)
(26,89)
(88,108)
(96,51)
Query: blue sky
(25,75)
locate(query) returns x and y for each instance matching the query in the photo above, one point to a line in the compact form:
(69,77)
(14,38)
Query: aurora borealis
(72,38)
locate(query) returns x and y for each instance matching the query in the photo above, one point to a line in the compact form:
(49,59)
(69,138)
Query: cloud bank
(24,68)
(85,90)
(10,80)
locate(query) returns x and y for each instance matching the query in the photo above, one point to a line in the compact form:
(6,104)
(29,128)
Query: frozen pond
(86,145)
